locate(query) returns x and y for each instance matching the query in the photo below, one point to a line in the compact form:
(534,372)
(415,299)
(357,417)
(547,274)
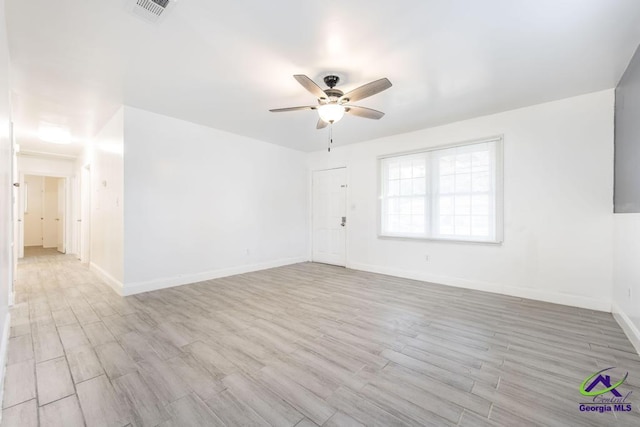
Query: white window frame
(497,207)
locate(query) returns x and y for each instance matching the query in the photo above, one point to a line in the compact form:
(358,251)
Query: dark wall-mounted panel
(627,140)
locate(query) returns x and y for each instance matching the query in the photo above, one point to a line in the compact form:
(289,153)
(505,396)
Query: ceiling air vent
(150,10)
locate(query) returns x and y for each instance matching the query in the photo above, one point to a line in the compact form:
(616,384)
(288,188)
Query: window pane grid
(462,194)
(405,196)
(446,193)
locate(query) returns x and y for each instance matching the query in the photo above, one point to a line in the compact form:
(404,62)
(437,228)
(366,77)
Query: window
(452,193)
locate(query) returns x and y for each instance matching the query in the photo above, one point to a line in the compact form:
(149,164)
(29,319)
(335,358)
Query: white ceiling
(225,64)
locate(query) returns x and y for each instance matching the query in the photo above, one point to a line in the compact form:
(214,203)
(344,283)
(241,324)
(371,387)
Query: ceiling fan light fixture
(331,113)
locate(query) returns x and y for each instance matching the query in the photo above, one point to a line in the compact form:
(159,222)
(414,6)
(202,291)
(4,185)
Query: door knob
(344,221)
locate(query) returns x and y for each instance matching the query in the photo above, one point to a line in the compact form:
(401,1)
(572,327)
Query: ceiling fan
(333,103)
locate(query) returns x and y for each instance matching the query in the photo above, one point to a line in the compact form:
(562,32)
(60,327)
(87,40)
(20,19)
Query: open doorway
(44,210)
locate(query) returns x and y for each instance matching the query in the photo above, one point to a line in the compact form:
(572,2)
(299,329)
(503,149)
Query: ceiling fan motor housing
(331,80)
(333,94)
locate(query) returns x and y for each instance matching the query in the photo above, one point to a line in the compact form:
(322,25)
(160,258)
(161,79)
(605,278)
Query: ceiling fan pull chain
(330,135)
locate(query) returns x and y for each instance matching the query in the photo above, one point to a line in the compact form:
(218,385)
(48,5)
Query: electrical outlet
(426,258)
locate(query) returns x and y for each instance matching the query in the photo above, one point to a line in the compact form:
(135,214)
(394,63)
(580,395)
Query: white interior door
(21,217)
(76,222)
(33,210)
(50,213)
(61,217)
(329,216)
(16,242)
(85,213)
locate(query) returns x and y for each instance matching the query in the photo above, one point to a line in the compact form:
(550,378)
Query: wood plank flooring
(304,345)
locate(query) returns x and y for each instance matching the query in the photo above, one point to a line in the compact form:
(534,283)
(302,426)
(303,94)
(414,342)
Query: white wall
(6,159)
(626,253)
(46,166)
(558,172)
(107,190)
(626,274)
(202,203)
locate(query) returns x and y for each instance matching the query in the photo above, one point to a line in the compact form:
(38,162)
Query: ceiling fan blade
(310,85)
(367,90)
(367,113)
(306,107)
(321,124)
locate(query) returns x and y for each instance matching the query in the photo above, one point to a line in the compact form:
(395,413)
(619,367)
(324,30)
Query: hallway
(307,344)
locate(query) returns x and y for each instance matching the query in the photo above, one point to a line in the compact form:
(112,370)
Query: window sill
(440,239)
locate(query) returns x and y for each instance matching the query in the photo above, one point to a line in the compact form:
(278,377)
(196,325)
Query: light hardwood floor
(304,345)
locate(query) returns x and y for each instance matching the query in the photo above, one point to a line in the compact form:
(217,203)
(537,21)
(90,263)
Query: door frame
(67,207)
(347,209)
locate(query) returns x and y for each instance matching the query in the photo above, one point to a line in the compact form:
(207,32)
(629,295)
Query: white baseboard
(4,344)
(552,297)
(168,282)
(114,283)
(629,328)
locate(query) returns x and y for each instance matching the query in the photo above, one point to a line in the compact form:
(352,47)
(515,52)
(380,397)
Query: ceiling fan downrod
(331,81)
